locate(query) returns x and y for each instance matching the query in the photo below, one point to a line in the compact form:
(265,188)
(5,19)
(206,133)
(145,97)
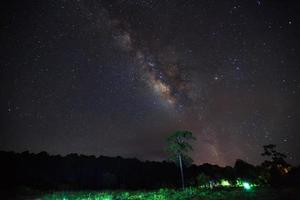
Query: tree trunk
(181,170)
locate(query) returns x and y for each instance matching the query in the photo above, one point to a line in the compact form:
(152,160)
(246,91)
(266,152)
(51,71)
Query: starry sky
(117,77)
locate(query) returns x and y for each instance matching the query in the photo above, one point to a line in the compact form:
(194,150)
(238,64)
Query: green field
(187,194)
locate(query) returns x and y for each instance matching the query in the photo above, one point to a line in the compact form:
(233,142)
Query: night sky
(117,77)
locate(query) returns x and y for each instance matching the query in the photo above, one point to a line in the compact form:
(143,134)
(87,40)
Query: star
(96,78)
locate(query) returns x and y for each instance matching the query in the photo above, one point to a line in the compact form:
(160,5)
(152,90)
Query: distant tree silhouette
(278,159)
(277,167)
(81,172)
(245,170)
(179,147)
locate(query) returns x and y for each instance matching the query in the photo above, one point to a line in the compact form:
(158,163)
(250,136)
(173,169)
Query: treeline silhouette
(43,171)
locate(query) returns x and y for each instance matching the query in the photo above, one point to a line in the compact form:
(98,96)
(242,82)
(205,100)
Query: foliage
(277,157)
(277,168)
(202,179)
(245,170)
(79,172)
(179,147)
(178,144)
(170,194)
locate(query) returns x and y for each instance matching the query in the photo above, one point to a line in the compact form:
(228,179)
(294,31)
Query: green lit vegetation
(222,189)
(232,193)
(225,183)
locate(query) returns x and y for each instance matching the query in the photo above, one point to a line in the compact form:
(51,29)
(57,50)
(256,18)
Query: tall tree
(178,148)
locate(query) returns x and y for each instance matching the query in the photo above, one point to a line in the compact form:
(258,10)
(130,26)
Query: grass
(170,194)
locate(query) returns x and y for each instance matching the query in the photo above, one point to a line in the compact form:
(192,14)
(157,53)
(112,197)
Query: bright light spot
(105,197)
(225,183)
(246,186)
(161,87)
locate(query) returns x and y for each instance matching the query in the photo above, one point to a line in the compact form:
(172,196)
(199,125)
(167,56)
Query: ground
(169,194)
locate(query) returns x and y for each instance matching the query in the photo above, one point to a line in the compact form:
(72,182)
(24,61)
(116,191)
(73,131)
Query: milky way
(164,79)
(116,77)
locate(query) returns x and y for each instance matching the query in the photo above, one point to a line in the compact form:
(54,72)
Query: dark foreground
(169,194)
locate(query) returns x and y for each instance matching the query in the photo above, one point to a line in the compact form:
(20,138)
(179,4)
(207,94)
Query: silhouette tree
(276,168)
(277,157)
(245,170)
(178,148)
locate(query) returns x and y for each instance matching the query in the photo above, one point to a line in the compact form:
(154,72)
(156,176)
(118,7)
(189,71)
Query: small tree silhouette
(277,157)
(178,148)
(277,167)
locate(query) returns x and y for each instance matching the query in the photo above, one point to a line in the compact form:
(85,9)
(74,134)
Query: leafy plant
(178,148)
